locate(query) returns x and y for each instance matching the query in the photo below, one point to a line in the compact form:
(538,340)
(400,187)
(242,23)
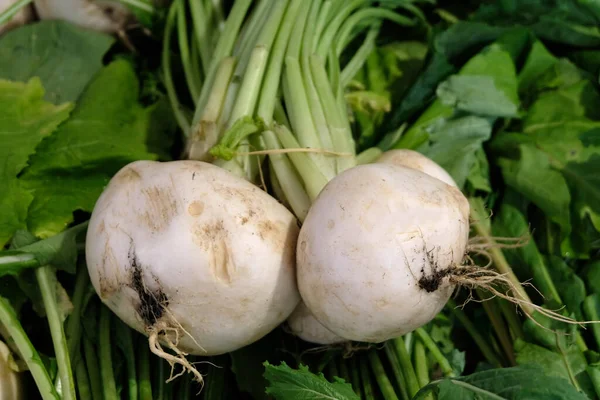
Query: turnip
(377,251)
(187,252)
(11,381)
(17,14)
(415,160)
(100,15)
(303,324)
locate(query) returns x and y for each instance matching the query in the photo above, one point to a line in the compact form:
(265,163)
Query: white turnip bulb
(377,250)
(303,324)
(415,160)
(188,250)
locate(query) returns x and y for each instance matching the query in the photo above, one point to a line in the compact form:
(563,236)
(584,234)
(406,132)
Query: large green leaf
(286,383)
(65,57)
(26,120)
(107,130)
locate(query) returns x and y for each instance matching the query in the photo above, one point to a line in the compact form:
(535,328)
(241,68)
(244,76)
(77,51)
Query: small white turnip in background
(186,247)
(415,160)
(23,16)
(304,325)
(377,248)
(11,383)
(98,15)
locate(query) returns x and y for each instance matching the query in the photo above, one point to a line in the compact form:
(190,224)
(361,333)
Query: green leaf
(108,129)
(65,57)
(532,176)
(569,285)
(26,120)
(516,383)
(526,260)
(59,251)
(584,182)
(566,363)
(286,383)
(454,145)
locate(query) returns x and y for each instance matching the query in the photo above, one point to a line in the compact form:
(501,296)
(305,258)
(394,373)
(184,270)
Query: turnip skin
(303,324)
(212,248)
(415,160)
(371,239)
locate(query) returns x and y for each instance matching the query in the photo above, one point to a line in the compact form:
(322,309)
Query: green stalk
(421,367)
(333,27)
(367,14)
(288,178)
(10,321)
(511,317)
(46,279)
(498,259)
(323,14)
(191,76)
(385,386)
(360,57)
(493,313)
(140,5)
(314,181)
(338,126)
(91,362)
(412,384)
(591,314)
(368,156)
(433,348)
(180,117)
(145,383)
(12,10)
(355,375)
(251,84)
(484,347)
(222,49)
(366,381)
(83,383)
(105,348)
(270,87)
(202,32)
(73,329)
(397,371)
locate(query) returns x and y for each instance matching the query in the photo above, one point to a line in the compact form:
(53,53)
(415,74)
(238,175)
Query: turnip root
(303,324)
(189,253)
(99,15)
(415,160)
(23,16)
(377,249)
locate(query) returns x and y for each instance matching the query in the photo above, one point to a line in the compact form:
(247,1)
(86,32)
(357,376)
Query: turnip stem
(91,362)
(368,156)
(385,386)
(201,25)
(433,348)
(420,361)
(341,135)
(484,347)
(83,383)
(320,25)
(10,321)
(143,356)
(499,327)
(355,374)
(12,10)
(73,324)
(182,120)
(333,27)
(105,349)
(366,380)
(408,370)
(288,178)
(46,279)
(314,181)
(511,317)
(268,95)
(397,372)
(222,49)
(191,75)
(360,57)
